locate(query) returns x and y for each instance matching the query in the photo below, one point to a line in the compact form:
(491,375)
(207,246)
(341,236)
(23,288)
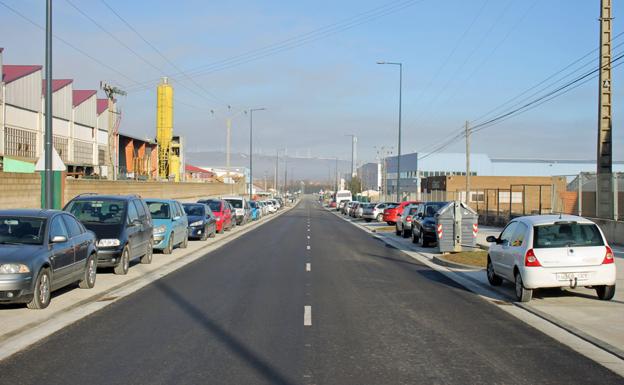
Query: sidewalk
(578,311)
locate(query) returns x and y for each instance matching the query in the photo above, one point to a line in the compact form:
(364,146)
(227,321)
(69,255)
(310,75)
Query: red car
(222,212)
(332,204)
(391,214)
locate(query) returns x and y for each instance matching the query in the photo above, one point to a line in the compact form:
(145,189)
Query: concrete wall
(613,230)
(180,191)
(19,190)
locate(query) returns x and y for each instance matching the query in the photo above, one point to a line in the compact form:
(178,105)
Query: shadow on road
(263,368)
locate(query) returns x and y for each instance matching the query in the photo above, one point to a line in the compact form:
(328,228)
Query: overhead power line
(162,55)
(300,40)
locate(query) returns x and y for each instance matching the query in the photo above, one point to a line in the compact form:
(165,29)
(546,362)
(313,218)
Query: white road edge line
(307,315)
(308,267)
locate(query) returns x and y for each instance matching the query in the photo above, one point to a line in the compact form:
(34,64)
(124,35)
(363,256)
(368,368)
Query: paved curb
(34,332)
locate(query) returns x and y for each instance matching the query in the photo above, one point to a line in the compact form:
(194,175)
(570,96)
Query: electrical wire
(300,40)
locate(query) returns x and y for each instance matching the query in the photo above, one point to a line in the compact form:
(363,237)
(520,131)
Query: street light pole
(400,116)
(251,111)
(48,186)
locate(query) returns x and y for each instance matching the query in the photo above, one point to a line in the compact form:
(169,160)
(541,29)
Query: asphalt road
(238,317)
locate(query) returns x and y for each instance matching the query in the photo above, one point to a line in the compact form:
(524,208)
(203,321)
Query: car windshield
(566,235)
(195,210)
(22,230)
(159,210)
(253,204)
(214,205)
(236,203)
(98,210)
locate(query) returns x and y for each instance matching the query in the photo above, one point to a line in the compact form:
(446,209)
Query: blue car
(255,210)
(170,224)
(202,223)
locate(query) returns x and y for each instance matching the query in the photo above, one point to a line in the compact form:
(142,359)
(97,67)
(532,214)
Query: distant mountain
(315,169)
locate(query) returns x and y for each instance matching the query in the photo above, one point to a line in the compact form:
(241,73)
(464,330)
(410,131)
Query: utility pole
(276,168)
(467,200)
(336,190)
(111,91)
(285,173)
(48,186)
(604,191)
(228,141)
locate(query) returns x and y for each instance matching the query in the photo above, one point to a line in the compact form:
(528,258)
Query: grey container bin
(456,227)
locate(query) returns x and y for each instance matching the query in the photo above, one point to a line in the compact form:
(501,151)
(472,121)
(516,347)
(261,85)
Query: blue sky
(461,58)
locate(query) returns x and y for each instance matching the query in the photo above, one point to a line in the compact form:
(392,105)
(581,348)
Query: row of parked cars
(531,252)
(44,250)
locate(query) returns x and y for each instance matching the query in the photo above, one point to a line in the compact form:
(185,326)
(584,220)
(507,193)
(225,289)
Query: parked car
(264,210)
(256,211)
(352,209)
(221,211)
(392,214)
(423,224)
(202,224)
(122,225)
(270,206)
(170,224)
(552,251)
(42,251)
(359,210)
(341,206)
(374,211)
(242,212)
(403,226)
(332,204)
(343,195)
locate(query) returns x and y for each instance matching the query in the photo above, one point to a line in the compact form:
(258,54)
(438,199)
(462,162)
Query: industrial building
(79,122)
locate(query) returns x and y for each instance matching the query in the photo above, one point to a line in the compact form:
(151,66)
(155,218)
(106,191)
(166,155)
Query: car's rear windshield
(104,211)
(566,235)
(196,210)
(22,230)
(432,208)
(236,203)
(214,205)
(159,210)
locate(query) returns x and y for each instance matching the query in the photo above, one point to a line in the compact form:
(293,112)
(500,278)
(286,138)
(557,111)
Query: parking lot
(576,310)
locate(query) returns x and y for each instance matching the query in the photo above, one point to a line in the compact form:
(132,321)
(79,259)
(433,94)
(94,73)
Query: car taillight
(409,218)
(608,256)
(530,259)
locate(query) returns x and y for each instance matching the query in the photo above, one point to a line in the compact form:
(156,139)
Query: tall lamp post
(399,145)
(251,111)
(48,184)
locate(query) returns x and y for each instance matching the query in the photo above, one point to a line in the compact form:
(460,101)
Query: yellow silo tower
(164,126)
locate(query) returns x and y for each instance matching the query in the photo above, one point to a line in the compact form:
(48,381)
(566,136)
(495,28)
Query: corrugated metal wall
(85,113)
(62,103)
(25,92)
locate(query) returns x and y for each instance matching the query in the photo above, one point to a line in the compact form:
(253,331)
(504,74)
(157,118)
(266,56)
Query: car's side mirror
(491,239)
(176,218)
(58,239)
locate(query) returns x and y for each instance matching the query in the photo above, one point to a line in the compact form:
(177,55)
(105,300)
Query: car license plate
(571,276)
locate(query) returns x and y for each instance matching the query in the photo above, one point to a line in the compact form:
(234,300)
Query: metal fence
(579,196)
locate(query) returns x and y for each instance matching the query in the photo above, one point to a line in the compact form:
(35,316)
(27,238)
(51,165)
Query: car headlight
(198,223)
(108,242)
(160,229)
(13,268)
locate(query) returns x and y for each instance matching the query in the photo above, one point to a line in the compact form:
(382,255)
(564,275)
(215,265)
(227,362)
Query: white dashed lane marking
(308,267)
(307,316)
(308,247)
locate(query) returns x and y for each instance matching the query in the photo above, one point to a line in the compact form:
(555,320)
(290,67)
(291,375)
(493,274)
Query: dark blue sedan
(201,222)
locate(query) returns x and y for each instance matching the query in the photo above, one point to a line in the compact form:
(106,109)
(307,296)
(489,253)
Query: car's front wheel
(169,248)
(41,296)
(493,279)
(204,235)
(522,293)
(90,273)
(124,263)
(605,292)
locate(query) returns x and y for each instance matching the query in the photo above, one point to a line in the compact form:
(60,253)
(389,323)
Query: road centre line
(307,315)
(308,247)
(308,267)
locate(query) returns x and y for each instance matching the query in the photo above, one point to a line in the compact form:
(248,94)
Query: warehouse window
(61,147)
(101,155)
(21,143)
(83,153)
(476,196)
